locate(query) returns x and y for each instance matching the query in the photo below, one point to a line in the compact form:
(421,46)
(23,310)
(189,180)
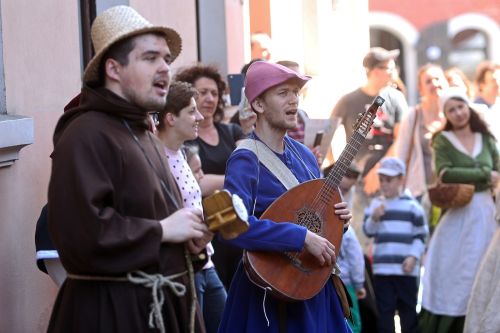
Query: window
(468,49)
(87,16)
(387,40)
(89,9)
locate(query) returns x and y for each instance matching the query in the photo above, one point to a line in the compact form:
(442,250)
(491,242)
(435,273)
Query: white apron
(455,251)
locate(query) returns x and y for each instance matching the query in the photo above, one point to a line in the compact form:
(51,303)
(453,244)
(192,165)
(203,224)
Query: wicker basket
(446,195)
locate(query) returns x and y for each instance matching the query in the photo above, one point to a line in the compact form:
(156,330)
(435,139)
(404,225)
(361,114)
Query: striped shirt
(399,233)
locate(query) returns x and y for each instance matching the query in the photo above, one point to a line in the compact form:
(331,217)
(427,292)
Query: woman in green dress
(464,152)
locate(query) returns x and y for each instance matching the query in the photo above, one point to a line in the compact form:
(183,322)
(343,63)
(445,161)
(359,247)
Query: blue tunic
(244,311)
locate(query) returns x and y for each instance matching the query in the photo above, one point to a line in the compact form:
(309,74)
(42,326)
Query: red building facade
(458,33)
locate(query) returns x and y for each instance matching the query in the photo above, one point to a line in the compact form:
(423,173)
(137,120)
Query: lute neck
(338,171)
(344,161)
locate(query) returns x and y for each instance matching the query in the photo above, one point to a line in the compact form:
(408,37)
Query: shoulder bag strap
(412,139)
(267,157)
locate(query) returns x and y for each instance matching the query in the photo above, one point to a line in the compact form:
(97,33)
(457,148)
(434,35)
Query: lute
(294,276)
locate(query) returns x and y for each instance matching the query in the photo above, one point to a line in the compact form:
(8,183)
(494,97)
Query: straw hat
(118,23)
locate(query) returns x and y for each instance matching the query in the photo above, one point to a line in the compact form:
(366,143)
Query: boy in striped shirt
(397,223)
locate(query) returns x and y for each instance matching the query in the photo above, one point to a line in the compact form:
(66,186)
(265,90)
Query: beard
(145,102)
(279,124)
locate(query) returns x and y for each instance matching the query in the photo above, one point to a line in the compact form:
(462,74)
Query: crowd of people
(135,153)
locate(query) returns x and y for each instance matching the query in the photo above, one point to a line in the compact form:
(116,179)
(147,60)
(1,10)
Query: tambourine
(226,214)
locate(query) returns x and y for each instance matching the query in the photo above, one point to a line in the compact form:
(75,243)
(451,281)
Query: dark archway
(385,39)
(468,48)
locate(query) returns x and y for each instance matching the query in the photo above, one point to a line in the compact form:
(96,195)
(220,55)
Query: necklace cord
(166,191)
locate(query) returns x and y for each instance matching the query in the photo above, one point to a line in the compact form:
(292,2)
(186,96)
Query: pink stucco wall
(427,12)
(179,15)
(235,31)
(42,70)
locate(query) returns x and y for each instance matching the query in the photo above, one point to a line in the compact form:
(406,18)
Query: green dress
(462,235)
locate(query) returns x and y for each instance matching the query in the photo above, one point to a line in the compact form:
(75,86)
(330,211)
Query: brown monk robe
(109,225)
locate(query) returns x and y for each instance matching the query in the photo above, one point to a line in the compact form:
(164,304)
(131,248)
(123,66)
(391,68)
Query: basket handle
(440,176)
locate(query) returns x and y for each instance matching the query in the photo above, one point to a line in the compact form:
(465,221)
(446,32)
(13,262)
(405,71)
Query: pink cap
(263,75)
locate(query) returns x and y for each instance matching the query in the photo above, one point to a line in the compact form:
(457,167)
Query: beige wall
(260,16)
(235,32)
(41,49)
(42,70)
(319,35)
(179,15)
(287,30)
(342,40)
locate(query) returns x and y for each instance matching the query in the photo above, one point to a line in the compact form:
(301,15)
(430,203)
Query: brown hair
(482,69)
(191,74)
(399,85)
(476,123)
(179,96)
(120,51)
(424,69)
(463,77)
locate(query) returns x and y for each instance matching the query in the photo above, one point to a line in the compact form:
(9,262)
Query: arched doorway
(468,48)
(392,31)
(387,40)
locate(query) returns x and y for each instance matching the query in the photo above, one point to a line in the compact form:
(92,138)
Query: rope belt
(154,281)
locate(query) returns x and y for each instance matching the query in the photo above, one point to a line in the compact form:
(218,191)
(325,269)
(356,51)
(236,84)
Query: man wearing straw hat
(114,210)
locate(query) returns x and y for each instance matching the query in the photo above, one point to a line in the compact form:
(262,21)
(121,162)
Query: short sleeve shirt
(381,135)
(214,158)
(188,186)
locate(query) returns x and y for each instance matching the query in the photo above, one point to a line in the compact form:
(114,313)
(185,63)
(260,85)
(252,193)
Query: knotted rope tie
(156,282)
